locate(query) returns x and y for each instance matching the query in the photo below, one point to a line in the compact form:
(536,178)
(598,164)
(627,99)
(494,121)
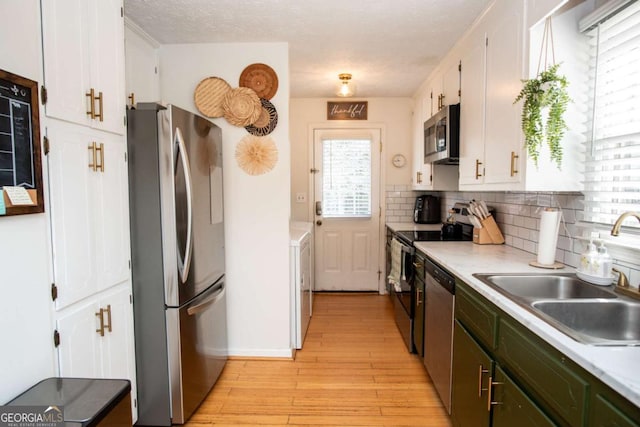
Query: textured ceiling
(390,46)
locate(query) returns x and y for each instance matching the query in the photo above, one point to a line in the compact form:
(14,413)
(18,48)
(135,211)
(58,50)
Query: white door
(347,209)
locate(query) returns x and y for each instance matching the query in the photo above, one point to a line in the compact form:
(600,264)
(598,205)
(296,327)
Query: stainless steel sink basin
(544,286)
(587,313)
(605,322)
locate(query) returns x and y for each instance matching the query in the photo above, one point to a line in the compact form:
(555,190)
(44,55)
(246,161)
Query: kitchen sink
(544,286)
(605,322)
(588,313)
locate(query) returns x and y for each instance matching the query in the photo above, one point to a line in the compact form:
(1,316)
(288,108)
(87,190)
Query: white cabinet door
(117,345)
(79,350)
(72,186)
(67,74)
(89,211)
(141,68)
(421,179)
(83,46)
(503,136)
(96,338)
(106,35)
(111,218)
(472,110)
(451,83)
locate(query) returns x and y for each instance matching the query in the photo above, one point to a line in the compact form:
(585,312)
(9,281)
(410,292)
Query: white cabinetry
(301,282)
(492,60)
(96,338)
(83,49)
(142,65)
(89,210)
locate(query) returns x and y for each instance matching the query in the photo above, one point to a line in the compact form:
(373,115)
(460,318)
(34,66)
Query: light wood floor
(354,370)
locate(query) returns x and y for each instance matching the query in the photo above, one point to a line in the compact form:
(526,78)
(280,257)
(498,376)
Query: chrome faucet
(616,227)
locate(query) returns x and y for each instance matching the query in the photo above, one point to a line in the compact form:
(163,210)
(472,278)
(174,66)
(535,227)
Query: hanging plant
(547,93)
(548,90)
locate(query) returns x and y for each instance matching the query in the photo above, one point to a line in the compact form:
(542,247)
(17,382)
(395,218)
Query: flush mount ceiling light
(346,86)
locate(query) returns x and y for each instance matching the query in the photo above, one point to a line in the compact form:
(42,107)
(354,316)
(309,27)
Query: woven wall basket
(209,94)
(241,106)
(256,155)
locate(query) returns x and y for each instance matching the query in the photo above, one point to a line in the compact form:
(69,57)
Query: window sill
(624,247)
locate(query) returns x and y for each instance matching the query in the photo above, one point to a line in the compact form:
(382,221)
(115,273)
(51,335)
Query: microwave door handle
(185,265)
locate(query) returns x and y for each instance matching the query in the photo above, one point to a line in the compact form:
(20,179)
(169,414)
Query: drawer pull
(490,394)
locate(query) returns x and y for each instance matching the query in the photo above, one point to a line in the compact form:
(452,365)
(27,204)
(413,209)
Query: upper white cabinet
(444,87)
(492,60)
(142,66)
(83,49)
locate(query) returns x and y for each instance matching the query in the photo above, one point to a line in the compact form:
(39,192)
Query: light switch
(301,197)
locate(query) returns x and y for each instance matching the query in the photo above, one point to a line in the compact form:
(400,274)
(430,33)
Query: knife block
(489,234)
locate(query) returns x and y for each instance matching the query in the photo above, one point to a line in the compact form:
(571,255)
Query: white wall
(394,113)
(26,328)
(257,208)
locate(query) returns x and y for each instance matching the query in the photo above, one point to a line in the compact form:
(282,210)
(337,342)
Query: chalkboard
(20,163)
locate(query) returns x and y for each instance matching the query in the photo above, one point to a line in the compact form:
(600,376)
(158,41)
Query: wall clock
(399,160)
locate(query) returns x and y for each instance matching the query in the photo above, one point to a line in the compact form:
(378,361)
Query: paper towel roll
(548,238)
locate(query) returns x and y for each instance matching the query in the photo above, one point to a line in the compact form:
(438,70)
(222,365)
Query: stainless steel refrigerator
(177,246)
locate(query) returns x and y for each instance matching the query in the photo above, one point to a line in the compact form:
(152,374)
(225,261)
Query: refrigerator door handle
(206,303)
(185,265)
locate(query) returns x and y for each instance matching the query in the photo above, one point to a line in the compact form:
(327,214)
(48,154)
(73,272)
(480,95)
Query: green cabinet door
(512,407)
(471,370)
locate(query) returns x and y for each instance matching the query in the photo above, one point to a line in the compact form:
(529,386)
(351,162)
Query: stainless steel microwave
(442,136)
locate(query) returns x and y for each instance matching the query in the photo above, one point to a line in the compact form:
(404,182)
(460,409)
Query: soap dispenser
(589,260)
(605,262)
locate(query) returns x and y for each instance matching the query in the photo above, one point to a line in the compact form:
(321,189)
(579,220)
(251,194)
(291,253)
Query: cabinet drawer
(547,374)
(478,317)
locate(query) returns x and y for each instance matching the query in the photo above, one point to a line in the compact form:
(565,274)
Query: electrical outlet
(301,197)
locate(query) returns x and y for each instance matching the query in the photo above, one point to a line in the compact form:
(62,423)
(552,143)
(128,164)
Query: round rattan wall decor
(209,94)
(267,121)
(241,106)
(261,78)
(256,155)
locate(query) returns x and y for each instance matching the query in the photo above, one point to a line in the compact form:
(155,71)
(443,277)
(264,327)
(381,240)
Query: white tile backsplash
(517,215)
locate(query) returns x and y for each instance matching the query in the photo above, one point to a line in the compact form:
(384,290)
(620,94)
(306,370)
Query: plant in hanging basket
(547,91)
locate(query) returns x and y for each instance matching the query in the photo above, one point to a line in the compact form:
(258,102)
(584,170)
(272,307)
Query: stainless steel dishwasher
(438,328)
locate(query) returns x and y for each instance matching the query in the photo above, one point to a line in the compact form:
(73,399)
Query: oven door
(403,301)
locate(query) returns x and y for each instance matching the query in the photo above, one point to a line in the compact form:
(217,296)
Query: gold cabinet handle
(490,394)
(94,164)
(418,296)
(100,166)
(419,177)
(478,163)
(99,115)
(418,265)
(481,372)
(132,99)
(100,314)
(92,109)
(514,163)
(108,311)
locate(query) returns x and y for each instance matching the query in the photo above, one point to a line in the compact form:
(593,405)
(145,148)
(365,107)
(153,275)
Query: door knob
(319,222)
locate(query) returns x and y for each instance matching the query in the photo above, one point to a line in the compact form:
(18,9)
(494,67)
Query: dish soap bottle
(589,259)
(605,262)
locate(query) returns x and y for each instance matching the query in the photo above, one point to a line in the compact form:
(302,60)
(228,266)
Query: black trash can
(85,401)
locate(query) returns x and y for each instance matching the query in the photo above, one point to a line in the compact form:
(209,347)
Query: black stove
(408,237)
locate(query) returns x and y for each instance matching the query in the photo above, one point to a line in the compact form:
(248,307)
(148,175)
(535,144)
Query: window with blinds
(346,178)
(612,171)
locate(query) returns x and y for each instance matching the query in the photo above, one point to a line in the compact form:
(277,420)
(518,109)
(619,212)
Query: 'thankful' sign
(355,110)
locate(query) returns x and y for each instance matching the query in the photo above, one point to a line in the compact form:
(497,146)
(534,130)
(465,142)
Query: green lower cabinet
(471,371)
(512,407)
(606,414)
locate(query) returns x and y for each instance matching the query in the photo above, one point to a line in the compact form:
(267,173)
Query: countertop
(410,226)
(618,367)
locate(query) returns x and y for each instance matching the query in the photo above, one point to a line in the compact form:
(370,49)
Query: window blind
(346,179)
(612,170)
